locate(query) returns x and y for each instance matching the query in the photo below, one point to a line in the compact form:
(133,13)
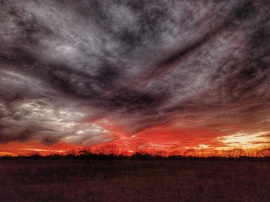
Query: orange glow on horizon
(35,147)
(164,141)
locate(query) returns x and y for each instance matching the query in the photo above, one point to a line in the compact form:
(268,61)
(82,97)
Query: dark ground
(134,180)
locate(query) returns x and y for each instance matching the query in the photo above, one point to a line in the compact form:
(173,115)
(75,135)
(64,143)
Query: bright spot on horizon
(245,140)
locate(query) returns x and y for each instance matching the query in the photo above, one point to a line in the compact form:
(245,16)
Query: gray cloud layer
(66,65)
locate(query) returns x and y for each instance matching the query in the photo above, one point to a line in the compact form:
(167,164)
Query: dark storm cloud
(66,66)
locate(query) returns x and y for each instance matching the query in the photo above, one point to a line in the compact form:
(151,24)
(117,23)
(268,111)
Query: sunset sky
(165,75)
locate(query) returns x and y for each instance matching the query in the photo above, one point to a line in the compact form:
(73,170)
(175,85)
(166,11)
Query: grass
(134,180)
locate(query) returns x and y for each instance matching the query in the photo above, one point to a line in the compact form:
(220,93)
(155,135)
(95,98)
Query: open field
(126,180)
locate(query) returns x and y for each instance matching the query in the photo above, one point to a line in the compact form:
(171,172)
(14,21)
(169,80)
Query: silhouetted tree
(189,153)
(264,152)
(236,152)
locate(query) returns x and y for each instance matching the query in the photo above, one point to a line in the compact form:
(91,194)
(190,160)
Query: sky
(165,75)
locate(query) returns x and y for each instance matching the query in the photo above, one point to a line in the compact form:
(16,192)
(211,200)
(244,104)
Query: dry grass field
(133,180)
